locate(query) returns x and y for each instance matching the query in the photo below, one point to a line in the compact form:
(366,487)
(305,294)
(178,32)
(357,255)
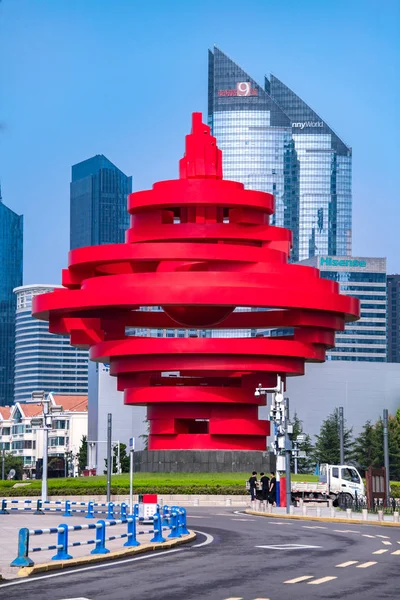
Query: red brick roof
(5,412)
(72,403)
(31,410)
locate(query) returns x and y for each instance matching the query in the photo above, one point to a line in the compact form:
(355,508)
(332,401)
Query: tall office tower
(11,251)
(255,136)
(365,279)
(98,197)
(274,142)
(43,360)
(393,318)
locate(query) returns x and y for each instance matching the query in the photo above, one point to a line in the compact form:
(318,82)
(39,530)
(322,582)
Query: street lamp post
(131,451)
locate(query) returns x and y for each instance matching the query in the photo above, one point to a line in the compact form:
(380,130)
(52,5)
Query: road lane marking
(235,519)
(235,598)
(396,552)
(319,581)
(288,547)
(197,517)
(381,551)
(209,539)
(368,536)
(385,537)
(348,563)
(313,527)
(387,543)
(298,579)
(366,565)
(91,568)
(345,531)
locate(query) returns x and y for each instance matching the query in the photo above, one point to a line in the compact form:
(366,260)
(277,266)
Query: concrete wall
(364,389)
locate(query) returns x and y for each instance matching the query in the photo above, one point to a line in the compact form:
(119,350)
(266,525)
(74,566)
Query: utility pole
(109,458)
(3,464)
(288,452)
(341,434)
(386,453)
(131,451)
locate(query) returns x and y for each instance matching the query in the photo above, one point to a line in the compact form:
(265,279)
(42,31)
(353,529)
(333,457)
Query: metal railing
(172,519)
(67,507)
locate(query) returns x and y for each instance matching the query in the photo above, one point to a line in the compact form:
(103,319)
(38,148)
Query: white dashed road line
(368,536)
(298,579)
(319,581)
(387,543)
(366,565)
(385,537)
(381,551)
(313,527)
(396,552)
(348,563)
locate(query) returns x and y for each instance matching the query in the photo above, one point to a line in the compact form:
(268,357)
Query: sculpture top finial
(202,158)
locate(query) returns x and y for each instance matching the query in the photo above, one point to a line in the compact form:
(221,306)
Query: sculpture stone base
(203,461)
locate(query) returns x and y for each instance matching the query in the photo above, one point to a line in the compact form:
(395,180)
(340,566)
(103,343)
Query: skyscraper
(274,142)
(98,209)
(393,318)
(43,360)
(11,250)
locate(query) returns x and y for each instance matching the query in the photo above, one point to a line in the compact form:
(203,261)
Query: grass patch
(162,483)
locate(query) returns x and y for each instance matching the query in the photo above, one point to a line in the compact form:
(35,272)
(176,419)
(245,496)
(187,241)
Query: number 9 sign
(243,88)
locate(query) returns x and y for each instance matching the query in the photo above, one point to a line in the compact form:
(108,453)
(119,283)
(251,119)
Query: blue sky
(121,78)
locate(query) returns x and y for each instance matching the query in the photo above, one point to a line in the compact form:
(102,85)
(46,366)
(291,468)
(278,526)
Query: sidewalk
(11,524)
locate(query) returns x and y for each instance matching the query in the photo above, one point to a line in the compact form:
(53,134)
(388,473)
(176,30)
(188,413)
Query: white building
(21,439)
(43,360)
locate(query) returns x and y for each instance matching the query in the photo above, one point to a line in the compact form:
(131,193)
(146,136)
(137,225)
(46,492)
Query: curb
(322,519)
(88,560)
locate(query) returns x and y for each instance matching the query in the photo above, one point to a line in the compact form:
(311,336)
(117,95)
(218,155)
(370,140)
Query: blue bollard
(4,510)
(23,559)
(110,510)
(39,510)
(165,520)
(123,510)
(157,528)
(90,511)
(174,526)
(62,540)
(132,541)
(136,511)
(183,529)
(68,512)
(100,539)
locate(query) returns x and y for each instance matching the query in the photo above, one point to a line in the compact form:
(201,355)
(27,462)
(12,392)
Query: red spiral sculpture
(199,247)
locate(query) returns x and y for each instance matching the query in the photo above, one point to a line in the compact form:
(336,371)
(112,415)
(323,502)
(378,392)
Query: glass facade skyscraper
(393,318)
(11,252)
(274,142)
(43,360)
(98,203)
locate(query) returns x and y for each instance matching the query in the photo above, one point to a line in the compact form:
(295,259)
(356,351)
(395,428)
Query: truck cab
(343,479)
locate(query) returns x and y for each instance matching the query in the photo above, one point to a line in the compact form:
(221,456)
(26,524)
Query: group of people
(266,485)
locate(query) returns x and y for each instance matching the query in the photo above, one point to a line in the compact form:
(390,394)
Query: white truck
(333,480)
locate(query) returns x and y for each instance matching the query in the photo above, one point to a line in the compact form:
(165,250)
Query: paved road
(360,562)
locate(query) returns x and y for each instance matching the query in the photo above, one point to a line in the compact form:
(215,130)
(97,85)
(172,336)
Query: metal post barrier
(62,544)
(183,528)
(110,510)
(4,510)
(68,512)
(365,514)
(318,511)
(39,507)
(396,516)
(165,520)
(332,512)
(90,511)
(100,538)
(157,528)
(174,526)
(123,510)
(291,512)
(196,502)
(380,515)
(23,559)
(304,510)
(228,502)
(132,541)
(349,514)
(136,511)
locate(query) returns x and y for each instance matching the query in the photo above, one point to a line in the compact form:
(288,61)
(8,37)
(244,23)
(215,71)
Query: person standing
(253,485)
(272,490)
(264,480)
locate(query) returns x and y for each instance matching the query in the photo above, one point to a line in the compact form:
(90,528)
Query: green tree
(123,457)
(327,445)
(83,454)
(304,465)
(13,462)
(368,446)
(364,448)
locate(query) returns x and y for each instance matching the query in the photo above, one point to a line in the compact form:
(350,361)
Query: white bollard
(395,516)
(228,502)
(380,515)
(349,513)
(365,514)
(332,512)
(318,511)
(291,510)
(196,502)
(304,510)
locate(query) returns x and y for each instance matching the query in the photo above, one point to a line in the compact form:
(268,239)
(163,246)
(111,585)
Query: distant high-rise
(11,251)
(98,203)
(393,318)
(274,142)
(43,360)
